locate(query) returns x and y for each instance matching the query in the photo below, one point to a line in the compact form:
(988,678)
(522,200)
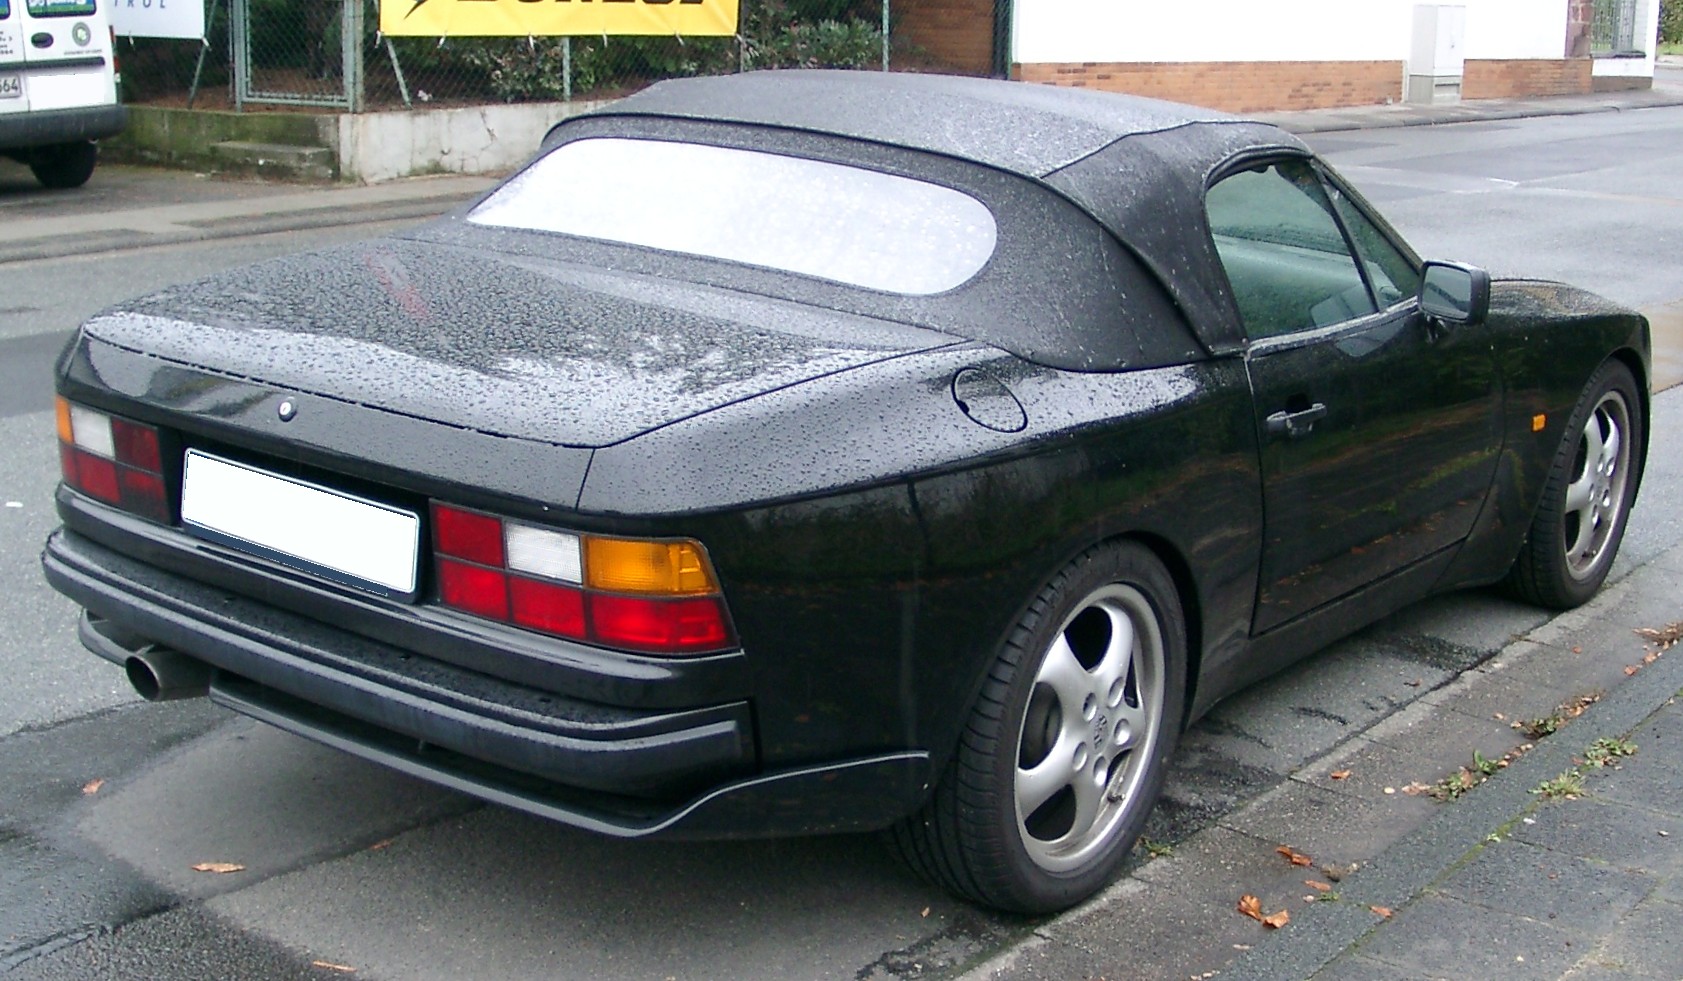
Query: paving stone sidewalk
(1498,883)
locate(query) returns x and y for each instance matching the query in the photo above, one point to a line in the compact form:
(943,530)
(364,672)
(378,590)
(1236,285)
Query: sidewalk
(1407,114)
(1380,880)
(1516,884)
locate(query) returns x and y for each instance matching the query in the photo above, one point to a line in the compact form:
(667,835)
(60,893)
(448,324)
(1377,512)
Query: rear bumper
(19,131)
(623,772)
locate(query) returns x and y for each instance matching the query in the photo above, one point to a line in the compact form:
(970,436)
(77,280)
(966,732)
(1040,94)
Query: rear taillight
(112,459)
(643,595)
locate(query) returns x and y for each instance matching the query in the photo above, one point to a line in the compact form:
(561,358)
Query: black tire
(1026,734)
(1587,495)
(64,165)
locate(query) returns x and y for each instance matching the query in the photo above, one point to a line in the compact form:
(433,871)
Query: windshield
(832,221)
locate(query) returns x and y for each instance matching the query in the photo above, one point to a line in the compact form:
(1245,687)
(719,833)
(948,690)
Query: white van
(58,87)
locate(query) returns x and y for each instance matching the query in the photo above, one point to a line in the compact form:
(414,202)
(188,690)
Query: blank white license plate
(303,525)
(11,86)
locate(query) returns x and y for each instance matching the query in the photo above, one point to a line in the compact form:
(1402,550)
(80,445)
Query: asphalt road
(349,865)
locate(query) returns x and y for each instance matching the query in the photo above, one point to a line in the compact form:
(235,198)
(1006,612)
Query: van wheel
(64,165)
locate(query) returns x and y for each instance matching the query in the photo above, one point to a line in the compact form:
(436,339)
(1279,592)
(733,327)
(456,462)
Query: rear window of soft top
(832,221)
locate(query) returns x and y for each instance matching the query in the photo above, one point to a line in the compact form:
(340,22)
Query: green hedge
(1671,21)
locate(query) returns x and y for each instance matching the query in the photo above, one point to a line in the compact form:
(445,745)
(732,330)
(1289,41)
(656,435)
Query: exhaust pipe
(159,674)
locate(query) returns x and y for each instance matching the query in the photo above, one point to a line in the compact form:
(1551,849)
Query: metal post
(397,69)
(566,69)
(885,35)
(350,52)
(204,49)
(239,39)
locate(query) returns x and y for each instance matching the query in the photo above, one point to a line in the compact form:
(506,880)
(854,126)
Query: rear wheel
(1586,497)
(64,165)
(1064,751)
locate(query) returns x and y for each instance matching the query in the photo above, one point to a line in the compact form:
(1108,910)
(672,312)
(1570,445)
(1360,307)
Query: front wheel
(1064,752)
(64,165)
(1586,496)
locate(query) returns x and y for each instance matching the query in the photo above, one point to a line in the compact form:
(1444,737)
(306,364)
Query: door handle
(1295,425)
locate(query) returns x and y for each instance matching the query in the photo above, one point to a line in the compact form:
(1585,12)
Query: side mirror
(1454,292)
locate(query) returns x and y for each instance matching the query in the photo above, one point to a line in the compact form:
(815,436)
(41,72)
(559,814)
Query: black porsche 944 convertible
(805,452)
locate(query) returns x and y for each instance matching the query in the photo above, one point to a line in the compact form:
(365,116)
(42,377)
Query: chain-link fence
(329,53)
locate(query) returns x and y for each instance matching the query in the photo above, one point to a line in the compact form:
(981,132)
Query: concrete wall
(493,139)
(369,147)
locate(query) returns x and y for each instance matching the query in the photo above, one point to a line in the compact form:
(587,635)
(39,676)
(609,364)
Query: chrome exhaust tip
(159,674)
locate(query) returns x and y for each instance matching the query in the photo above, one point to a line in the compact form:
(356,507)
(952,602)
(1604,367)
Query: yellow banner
(541,18)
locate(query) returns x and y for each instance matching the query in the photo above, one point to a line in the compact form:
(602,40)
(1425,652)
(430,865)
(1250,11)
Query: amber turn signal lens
(62,409)
(663,568)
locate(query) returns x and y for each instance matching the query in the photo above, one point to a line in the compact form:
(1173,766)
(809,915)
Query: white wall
(1269,30)
(1516,28)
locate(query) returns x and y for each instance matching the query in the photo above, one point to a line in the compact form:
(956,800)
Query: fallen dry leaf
(1339,775)
(1631,670)
(92,786)
(1252,907)
(1383,912)
(382,843)
(1416,788)
(925,913)
(1318,885)
(221,868)
(1294,856)
(1664,638)
(330,966)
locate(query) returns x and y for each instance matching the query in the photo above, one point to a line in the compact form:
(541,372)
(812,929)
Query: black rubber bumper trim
(697,748)
(858,795)
(32,129)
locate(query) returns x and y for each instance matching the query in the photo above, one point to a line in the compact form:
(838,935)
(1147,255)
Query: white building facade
(1253,55)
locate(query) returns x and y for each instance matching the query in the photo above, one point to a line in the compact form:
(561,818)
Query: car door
(1379,431)
(13,99)
(65,55)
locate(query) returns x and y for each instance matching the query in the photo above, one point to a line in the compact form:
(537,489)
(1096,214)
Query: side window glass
(1393,274)
(1284,254)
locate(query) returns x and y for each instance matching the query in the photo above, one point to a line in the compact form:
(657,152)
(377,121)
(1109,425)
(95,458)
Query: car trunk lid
(507,345)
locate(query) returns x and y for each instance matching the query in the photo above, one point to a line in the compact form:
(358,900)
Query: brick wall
(1492,78)
(1234,86)
(955,35)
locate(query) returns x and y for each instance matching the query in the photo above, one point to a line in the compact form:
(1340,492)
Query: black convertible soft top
(1138,165)
(1030,130)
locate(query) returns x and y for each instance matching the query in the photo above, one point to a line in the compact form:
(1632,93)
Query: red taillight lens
(115,460)
(630,594)
(136,445)
(482,592)
(550,607)
(468,535)
(687,626)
